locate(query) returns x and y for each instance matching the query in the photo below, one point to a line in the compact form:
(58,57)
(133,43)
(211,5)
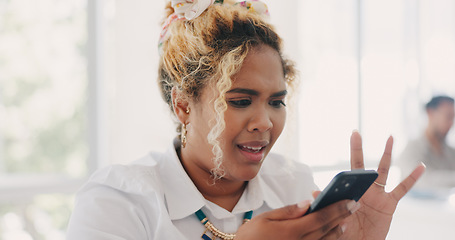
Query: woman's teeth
(252,149)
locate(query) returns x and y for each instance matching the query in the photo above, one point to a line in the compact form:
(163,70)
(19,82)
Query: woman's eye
(242,103)
(277,103)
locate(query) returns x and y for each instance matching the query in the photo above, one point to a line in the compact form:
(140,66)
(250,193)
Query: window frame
(25,186)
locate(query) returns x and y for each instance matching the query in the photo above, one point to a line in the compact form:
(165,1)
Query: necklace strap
(201,216)
(215,232)
(248,215)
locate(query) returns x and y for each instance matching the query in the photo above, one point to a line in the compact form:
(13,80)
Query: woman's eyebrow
(244,91)
(280,93)
(255,93)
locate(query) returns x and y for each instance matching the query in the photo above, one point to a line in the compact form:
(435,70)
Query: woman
(223,75)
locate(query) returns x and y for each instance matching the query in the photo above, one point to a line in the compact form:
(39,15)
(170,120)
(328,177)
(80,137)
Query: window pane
(387,46)
(42,218)
(328,106)
(437,36)
(43,86)
(407,57)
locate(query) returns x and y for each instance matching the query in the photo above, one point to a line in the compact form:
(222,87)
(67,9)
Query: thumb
(289,212)
(316,194)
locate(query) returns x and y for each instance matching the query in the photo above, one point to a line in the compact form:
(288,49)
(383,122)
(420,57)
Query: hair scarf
(190,9)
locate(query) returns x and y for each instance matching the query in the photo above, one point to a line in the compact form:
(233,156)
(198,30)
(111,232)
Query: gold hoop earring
(183,136)
(187,111)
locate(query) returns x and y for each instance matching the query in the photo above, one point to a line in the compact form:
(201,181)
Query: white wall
(138,118)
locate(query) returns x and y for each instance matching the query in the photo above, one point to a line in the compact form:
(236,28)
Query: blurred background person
(431,147)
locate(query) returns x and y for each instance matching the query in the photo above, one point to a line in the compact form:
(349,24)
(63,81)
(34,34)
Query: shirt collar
(181,195)
(183,198)
(258,192)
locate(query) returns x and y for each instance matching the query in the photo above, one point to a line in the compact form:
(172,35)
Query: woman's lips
(253,152)
(251,149)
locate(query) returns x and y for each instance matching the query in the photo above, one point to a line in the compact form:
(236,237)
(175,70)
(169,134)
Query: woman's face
(254,118)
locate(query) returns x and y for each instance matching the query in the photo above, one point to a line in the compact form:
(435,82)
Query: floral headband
(190,9)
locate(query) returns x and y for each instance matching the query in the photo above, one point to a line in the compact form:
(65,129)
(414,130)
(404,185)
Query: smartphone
(345,185)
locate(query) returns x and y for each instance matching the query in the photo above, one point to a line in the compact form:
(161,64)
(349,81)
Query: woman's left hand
(372,220)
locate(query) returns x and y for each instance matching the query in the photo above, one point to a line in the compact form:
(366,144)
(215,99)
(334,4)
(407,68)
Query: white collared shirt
(153,198)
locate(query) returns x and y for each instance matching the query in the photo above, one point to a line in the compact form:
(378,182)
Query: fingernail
(355,131)
(423,164)
(353,206)
(303,204)
(350,204)
(343,227)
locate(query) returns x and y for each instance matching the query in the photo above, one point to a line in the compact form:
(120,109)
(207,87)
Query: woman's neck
(223,192)
(225,195)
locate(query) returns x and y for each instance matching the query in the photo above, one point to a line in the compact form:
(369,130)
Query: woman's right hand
(290,223)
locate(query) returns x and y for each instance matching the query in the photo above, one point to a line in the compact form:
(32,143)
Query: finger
(334,234)
(316,194)
(321,220)
(407,183)
(289,212)
(356,151)
(384,164)
(332,229)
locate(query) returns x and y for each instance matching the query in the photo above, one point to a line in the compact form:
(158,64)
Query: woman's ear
(180,105)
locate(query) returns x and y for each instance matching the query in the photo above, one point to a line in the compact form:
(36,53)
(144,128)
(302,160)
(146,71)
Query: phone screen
(345,185)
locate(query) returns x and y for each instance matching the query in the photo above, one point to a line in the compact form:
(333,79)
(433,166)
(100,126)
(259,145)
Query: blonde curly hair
(207,51)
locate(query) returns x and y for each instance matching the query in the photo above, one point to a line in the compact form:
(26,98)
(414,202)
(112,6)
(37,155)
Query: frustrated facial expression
(254,119)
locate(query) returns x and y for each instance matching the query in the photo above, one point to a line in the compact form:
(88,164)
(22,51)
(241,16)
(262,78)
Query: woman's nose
(260,121)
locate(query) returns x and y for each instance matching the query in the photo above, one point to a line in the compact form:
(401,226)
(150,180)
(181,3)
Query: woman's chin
(243,175)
